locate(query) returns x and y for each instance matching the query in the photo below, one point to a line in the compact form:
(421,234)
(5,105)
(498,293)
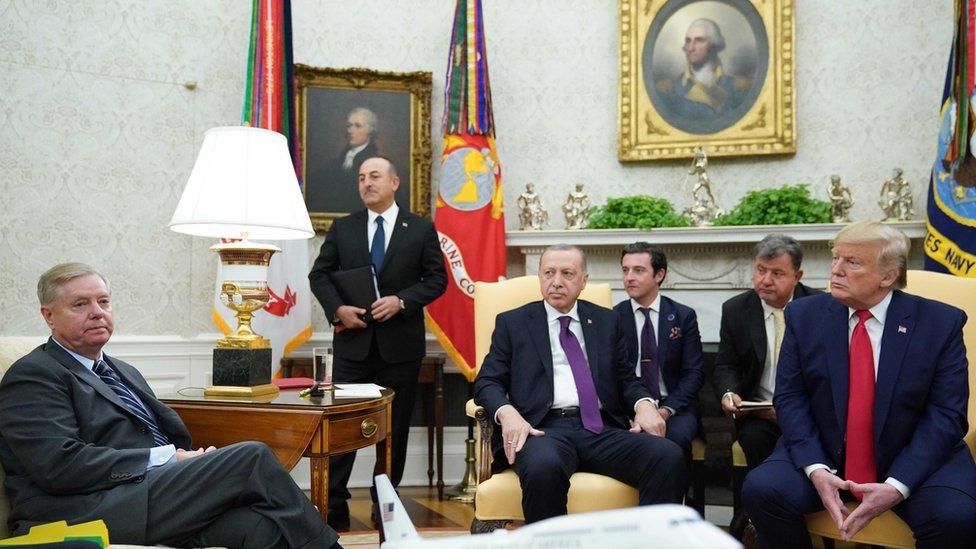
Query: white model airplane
(664,526)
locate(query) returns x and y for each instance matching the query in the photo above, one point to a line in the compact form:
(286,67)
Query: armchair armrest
(485,428)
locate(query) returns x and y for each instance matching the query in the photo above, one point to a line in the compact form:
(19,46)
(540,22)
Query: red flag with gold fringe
(469,213)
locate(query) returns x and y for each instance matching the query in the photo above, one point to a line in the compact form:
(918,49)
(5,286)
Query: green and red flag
(950,242)
(469,213)
(269,102)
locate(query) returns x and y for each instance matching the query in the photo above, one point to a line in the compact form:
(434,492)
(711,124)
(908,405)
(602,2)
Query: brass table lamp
(243,186)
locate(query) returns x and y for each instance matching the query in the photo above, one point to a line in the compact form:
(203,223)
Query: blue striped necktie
(112,379)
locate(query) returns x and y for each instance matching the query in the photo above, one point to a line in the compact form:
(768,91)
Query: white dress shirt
(654,313)
(389,224)
(875,329)
(159,455)
(564,393)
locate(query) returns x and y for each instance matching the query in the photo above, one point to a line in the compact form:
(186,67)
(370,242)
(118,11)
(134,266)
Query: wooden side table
(293,427)
(432,378)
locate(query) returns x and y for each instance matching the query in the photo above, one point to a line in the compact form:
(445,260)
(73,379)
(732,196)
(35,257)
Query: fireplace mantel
(706,265)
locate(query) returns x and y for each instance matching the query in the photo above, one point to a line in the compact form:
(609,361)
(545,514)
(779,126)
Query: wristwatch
(402,305)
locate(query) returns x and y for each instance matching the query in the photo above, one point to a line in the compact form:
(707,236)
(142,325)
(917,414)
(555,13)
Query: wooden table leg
(320,484)
(384,460)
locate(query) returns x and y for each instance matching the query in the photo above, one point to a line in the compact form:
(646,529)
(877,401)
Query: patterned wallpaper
(98,133)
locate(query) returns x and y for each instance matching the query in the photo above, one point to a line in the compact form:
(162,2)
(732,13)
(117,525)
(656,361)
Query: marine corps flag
(469,210)
(269,102)
(950,242)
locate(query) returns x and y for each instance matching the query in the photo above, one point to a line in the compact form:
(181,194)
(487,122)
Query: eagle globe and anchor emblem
(468,178)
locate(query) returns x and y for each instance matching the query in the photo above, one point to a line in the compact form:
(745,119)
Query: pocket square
(675,333)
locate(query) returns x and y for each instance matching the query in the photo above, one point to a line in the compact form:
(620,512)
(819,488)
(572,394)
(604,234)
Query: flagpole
(464,491)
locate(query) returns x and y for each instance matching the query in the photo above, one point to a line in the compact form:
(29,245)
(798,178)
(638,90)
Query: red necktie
(859,465)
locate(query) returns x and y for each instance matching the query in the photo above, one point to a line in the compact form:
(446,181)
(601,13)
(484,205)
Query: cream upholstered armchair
(888,530)
(498,500)
(11,350)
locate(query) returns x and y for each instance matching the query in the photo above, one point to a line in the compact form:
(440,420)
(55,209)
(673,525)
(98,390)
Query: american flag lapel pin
(902,330)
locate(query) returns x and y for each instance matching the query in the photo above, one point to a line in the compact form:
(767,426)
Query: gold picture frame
(665,110)
(390,110)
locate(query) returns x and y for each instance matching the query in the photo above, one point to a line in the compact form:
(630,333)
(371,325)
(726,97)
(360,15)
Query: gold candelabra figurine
(532,214)
(705,209)
(840,200)
(577,208)
(896,198)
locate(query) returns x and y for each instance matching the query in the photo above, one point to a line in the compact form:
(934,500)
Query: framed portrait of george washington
(712,73)
(345,116)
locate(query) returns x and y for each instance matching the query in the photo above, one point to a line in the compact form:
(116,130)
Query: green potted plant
(640,212)
(789,204)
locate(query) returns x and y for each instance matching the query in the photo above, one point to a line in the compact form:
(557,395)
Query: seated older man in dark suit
(82,437)
(871,394)
(558,382)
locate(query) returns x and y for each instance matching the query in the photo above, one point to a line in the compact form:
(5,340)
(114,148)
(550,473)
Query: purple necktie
(589,405)
(650,374)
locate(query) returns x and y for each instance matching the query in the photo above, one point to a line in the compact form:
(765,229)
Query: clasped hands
(382,310)
(876,498)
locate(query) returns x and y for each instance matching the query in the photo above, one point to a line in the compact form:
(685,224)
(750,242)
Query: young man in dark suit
(558,383)
(82,437)
(752,324)
(663,343)
(872,393)
(404,251)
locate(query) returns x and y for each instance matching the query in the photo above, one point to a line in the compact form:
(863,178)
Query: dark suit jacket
(921,392)
(71,449)
(742,343)
(679,348)
(413,269)
(518,368)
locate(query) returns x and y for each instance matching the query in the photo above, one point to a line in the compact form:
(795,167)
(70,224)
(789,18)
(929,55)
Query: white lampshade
(243,182)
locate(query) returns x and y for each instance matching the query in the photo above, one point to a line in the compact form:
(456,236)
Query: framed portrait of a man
(712,73)
(348,115)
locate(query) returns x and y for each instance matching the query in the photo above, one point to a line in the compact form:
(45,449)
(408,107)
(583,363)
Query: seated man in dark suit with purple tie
(871,394)
(663,343)
(558,382)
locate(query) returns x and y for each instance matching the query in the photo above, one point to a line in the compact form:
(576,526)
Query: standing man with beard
(387,350)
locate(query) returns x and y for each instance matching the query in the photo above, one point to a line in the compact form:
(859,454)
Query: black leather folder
(357,287)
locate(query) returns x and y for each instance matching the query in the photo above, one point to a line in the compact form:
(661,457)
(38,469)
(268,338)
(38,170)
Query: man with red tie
(871,395)
(558,382)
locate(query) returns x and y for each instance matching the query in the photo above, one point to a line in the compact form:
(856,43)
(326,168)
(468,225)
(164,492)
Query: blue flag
(950,242)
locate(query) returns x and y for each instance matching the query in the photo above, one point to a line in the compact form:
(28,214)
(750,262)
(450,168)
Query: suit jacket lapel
(396,234)
(665,321)
(84,374)
(756,321)
(837,346)
(362,239)
(538,329)
(591,337)
(898,329)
